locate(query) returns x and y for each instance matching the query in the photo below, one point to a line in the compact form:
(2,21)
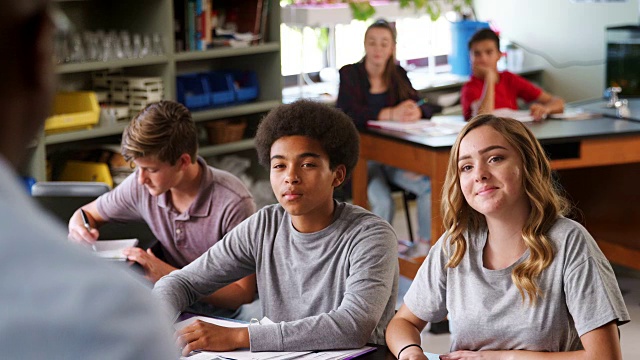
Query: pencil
(422,101)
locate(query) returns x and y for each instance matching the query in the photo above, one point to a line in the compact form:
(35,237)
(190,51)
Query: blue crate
(245,84)
(192,91)
(220,86)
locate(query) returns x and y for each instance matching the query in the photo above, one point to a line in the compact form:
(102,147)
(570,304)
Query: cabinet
(157,17)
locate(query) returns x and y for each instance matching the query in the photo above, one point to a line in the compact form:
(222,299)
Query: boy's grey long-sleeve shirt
(332,289)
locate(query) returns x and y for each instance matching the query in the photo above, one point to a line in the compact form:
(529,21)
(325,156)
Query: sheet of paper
(520,115)
(338,354)
(573,114)
(112,249)
(431,356)
(241,354)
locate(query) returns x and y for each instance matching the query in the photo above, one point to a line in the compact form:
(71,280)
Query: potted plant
(363,10)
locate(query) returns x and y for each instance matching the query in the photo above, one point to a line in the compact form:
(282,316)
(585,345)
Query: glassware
(157,47)
(125,42)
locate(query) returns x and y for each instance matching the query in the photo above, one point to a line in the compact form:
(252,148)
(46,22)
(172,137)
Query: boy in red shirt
(488,89)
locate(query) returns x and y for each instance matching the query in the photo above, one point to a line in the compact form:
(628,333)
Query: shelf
(100,65)
(85,134)
(238,110)
(227,52)
(213,150)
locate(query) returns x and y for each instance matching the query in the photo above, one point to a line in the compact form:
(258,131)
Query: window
(308,50)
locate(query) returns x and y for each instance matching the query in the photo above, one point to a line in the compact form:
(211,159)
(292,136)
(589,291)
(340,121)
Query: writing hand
(78,233)
(154,268)
(201,335)
(539,111)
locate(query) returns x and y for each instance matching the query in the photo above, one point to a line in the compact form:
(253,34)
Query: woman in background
(377,89)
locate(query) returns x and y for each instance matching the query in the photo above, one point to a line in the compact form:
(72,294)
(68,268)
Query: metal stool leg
(405,201)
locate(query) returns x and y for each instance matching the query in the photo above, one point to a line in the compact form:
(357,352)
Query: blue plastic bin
(220,86)
(461,33)
(245,84)
(192,91)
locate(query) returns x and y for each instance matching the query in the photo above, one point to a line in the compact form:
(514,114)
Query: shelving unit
(156,16)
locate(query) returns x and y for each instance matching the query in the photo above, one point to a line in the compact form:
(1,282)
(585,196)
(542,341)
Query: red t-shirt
(508,89)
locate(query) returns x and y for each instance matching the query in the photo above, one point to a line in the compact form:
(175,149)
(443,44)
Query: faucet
(614,101)
(622,108)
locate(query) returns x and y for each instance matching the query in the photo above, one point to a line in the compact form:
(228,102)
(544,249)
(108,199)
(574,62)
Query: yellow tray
(73,110)
(86,171)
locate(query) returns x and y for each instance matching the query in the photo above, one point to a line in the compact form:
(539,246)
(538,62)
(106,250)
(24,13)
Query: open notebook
(112,249)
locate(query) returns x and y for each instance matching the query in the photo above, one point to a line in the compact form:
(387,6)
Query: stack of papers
(420,127)
(112,249)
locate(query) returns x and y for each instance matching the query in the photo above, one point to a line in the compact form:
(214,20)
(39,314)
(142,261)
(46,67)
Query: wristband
(408,346)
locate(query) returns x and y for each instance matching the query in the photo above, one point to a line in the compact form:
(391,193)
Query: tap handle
(613,92)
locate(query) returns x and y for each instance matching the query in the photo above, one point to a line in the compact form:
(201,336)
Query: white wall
(564,30)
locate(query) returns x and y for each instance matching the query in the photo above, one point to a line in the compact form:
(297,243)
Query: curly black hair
(331,127)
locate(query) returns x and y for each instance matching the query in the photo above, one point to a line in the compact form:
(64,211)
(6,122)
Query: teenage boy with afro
(488,89)
(327,271)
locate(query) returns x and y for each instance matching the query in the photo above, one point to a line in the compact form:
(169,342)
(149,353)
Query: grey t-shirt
(332,289)
(485,308)
(222,203)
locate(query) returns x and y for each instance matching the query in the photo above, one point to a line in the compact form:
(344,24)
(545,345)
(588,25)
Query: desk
(600,154)
(599,106)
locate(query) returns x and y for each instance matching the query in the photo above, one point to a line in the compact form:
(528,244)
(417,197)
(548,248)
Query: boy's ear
(184,160)
(340,173)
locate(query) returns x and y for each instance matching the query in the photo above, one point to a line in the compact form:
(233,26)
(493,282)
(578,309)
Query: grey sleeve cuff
(265,337)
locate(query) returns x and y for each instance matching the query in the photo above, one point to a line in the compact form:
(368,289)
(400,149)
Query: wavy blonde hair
(547,203)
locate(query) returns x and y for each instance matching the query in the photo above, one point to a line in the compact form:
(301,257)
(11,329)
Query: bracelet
(408,346)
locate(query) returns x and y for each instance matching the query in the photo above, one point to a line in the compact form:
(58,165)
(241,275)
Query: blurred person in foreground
(58,301)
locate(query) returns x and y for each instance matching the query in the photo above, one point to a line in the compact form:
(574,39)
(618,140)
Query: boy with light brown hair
(188,205)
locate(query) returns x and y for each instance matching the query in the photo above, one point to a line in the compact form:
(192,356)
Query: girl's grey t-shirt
(486,311)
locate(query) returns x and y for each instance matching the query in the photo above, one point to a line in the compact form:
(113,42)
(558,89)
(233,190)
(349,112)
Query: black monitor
(62,204)
(623,57)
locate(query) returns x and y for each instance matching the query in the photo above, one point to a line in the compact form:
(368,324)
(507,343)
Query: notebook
(112,249)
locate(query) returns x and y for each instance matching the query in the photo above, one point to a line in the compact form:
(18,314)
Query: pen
(422,101)
(85,220)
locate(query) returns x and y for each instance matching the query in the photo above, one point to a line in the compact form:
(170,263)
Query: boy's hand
(484,72)
(201,335)
(154,268)
(78,233)
(539,111)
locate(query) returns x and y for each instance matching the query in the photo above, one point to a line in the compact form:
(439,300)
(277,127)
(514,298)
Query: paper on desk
(112,249)
(573,114)
(243,354)
(520,115)
(420,127)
